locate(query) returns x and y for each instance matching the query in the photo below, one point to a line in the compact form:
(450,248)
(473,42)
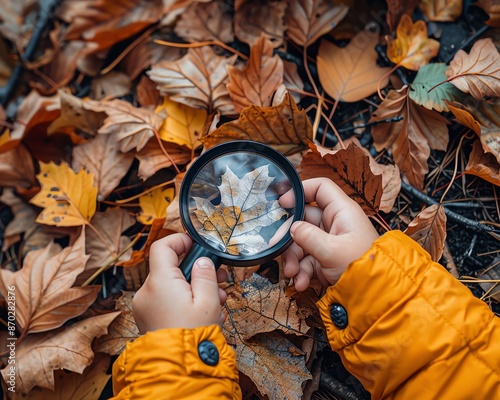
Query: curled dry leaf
(478,72)
(492,8)
(68,347)
(429,230)
(24,218)
(484,165)
(260,78)
(284,127)
(350,169)
(154,204)
(351,73)
(441,10)
(68,199)
(198,80)
(411,48)
(16,167)
(44,295)
(309,20)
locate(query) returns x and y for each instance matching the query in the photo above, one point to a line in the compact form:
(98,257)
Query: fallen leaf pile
(105,104)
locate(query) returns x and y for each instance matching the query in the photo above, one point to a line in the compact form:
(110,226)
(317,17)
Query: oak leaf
(309,20)
(45,298)
(441,10)
(68,347)
(478,72)
(233,225)
(351,73)
(154,204)
(16,167)
(411,48)
(429,230)
(260,78)
(484,165)
(284,127)
(410,139)
(198,80)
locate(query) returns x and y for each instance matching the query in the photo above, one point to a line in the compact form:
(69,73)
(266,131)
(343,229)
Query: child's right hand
(334,234)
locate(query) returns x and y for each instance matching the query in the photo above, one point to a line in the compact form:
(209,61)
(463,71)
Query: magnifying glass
(230,205)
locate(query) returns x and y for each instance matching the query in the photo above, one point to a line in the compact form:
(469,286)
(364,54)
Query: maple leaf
(24,218)
(411,138)
(477,73)
(309,20)
(441,10)
(483,165)
(154,204)
(350,169)
(44,297)
(258,81)
(233,226)
(16,167)
(411,48)
(67,347)
(351,73)
(68,199)
(284,127)
(198,80)
(429,230)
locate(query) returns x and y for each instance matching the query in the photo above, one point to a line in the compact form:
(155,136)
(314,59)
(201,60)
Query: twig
(469,223)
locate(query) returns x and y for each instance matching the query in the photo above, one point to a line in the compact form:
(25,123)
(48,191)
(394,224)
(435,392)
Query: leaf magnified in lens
(233,226)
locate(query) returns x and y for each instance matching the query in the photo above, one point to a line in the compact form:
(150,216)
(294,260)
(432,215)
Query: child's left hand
(167,300)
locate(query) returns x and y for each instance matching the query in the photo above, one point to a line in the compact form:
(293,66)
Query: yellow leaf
(154,205)
(183,124)
(68,198)
(411,48)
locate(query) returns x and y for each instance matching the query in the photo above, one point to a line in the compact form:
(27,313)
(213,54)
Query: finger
(325,192)
(221,275)
(315,241)
(306,271)
(313,215)
(204,283)
(164,255)
(287,200)
(290,259)
(222,296)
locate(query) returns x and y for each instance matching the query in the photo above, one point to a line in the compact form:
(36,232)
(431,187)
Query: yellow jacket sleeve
(407,329)
(177,364)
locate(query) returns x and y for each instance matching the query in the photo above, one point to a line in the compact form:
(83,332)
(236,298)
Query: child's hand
(166,300)
(336,233)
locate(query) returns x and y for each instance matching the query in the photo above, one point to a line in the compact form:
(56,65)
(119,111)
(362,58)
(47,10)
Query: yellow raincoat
(401,323)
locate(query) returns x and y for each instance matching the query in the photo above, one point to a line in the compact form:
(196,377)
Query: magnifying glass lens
(234,203)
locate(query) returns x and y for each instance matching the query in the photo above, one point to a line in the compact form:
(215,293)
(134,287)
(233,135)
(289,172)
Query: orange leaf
(429,230)
(483,165)
(441,10)
(411,48)
(154,204)
(464,117)
(351,73)
(258,81)
(16,167)
(492,8)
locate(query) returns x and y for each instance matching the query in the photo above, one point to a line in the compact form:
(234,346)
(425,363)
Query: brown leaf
(44,297)
(206,21)
(464,117)
(121,330)
(16,168)
(114,84)
(429,230)
(67,347)
(251,19)
(396,9)
(284,127)
(483,165)
(411,48)
(292,80)
(198,80)
(17,20)
(309,20)
(492,8)
(350,169)
(101,156)
(261,77)
(441,10)
(478,72)
(410,139)
(351,73)
(258,306)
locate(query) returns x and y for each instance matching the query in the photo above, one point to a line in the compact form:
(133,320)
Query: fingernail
(204,263)
(294,227)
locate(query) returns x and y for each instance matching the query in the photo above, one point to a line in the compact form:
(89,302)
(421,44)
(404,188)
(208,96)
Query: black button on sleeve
(339,316)
(208,353)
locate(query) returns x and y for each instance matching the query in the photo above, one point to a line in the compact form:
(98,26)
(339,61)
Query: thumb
(204,282)
(314,241)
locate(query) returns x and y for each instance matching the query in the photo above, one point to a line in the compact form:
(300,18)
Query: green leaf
(427,78)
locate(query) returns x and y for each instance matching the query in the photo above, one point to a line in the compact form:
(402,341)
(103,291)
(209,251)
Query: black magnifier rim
(247,146)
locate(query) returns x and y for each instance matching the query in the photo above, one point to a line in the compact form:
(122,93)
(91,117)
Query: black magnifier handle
(196,252)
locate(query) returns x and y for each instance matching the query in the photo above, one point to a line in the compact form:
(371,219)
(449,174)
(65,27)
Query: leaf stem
(145,192)
(99,235)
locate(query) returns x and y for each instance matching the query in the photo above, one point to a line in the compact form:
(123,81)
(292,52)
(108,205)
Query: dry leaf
(483,165)
(101,156)
(233,225)
(311,19)
(478,72)
(198,80)
(44,297)
(351,73)
(121,330)
(396,9)
(411,48)
(260,78)
(68,199)
(410,139)
(67,347)
(16,23)
(16,168)
(112,85)
(429,230)
(441,10)
(284,127)
(464,117)
(154,204)
(492,8)
(292,80)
